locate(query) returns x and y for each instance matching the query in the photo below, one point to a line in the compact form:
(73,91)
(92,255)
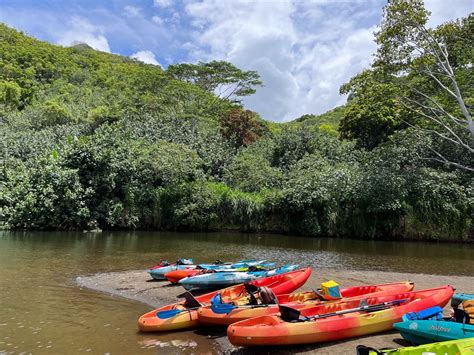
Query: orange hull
(283,283)
(272,330)
(299,300)
(176,275)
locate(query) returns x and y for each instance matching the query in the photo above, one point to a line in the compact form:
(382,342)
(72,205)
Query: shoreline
(136,285)
(431,240)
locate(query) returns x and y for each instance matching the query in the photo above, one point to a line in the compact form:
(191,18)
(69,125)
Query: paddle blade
(289,314)
(168,314)
(224,308)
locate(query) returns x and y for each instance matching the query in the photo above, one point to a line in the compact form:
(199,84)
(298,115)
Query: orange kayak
(176,275)
(182,315)
(210,315)
(336,321)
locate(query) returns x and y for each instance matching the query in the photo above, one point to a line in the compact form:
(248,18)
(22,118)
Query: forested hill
(92,140)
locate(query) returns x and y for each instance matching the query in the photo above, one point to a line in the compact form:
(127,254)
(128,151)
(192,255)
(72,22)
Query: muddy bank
(136,285)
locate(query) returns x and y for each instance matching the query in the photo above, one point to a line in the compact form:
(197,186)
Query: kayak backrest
(267,296)
(461,316)
(251,289)
(190,301)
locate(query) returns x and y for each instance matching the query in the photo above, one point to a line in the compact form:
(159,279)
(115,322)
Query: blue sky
(304,50)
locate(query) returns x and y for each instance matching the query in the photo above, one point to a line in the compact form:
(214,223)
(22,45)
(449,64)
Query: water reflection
(42,309)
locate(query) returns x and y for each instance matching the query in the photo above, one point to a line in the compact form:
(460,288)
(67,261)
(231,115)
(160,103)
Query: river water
(43,311)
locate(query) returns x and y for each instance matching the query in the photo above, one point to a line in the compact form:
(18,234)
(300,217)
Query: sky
(303,49)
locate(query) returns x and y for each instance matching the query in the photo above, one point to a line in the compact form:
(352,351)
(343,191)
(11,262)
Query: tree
(430,64)
(219,77)
(241,127)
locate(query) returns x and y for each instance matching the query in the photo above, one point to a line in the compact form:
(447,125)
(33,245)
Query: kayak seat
(190,301)
(267,296)
(251,289)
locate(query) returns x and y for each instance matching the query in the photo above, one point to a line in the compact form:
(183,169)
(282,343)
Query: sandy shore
(136,285)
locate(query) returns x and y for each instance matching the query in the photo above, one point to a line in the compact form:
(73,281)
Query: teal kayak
(224,279)
(459,298)
(159,272)
(429,331)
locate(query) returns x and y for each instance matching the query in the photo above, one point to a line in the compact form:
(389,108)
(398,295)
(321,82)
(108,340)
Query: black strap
(365,350)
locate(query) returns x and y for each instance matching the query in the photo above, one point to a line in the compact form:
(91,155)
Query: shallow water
(43,311)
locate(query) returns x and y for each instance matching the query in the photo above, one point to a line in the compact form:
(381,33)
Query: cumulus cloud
(303,51)
(132,11)
(157,19)
(81,30)
(162,3)
(146,57)
(442,11)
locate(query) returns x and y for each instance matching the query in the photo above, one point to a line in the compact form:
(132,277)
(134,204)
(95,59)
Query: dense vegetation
(93,140)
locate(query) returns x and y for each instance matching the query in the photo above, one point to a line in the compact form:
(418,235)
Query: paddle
(289,314)
(191,303)
(173,312)
(226,308)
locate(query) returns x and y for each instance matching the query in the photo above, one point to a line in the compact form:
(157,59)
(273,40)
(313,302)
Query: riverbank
(136,285)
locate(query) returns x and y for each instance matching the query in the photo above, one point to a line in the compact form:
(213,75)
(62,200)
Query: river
(42,310)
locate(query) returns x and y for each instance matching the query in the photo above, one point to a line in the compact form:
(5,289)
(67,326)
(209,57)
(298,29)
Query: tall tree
(435,66)
(219,77)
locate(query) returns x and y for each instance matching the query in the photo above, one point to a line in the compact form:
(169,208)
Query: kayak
(159,273)
(188,316)
(227,314)
(335,321)
(429,331)
(458,298)
(225,279)
(453,347)
(176,275)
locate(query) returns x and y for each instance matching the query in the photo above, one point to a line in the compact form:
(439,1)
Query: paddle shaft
(370,308)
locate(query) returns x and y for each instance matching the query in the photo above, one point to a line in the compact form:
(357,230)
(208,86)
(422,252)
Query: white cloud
(303,50)
(132,11)
(302,55)
(442,11)
(162,3)
(81,30)
(146,57)
(157,19)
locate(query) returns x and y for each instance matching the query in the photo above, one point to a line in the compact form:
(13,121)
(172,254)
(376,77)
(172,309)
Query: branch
(457,140)
(444,160)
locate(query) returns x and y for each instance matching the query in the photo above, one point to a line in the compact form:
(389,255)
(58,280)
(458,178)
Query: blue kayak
(159,273)
(429,331)
(220,280)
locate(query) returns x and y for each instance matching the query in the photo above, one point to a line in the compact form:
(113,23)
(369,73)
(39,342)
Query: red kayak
(231,313)
(335,321)
(184,314)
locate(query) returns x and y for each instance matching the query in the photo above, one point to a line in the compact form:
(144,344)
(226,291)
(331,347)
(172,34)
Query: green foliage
(10,93)
(92,140)
(251,170)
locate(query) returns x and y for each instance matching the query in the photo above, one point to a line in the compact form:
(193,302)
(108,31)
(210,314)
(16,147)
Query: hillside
(93,140)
